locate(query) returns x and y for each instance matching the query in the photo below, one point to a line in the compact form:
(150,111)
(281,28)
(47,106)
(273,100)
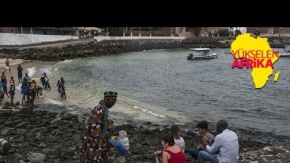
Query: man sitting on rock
(226,143)
(206,139)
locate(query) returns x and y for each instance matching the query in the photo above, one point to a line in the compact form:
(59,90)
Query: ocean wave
(65,61)
(46,70)
(54,101)
(19,87)
(149,112)
(31,71)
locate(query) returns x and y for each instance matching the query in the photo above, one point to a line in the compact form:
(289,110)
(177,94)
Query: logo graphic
(255,53)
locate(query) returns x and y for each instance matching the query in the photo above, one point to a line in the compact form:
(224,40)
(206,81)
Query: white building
(242,29)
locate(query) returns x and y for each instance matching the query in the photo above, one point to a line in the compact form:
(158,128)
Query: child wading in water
(12,92)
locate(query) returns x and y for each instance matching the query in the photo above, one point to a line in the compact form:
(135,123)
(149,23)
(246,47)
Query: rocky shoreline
(112,47)
(53,137)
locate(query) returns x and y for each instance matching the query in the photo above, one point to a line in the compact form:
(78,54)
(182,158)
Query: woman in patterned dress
(94,146)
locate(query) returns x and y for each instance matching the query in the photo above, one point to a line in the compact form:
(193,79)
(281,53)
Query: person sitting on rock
(122,143)
(206,139)
(172,152)
(5,146)
(175,131)
(226,145)
(123,138)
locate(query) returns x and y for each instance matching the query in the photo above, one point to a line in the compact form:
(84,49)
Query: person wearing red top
(12,80)
(172,152)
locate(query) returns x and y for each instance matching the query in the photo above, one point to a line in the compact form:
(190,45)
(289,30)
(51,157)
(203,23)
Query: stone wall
(23,39)
(92,48)
(208,42)
(117,46)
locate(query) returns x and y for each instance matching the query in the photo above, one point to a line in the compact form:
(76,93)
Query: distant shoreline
(78,48)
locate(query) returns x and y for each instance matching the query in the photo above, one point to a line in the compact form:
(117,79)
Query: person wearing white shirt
(226,145)
(175,131)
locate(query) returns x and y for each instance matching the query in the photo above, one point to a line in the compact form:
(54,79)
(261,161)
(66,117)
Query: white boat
(286,52)
(201,53)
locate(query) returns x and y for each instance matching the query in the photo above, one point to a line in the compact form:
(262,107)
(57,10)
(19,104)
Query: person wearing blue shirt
(1,91)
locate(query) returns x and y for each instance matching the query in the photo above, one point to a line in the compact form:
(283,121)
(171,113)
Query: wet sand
(25,65)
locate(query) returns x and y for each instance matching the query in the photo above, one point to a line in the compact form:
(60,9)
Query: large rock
(7,132)
(26,110)
(36,157)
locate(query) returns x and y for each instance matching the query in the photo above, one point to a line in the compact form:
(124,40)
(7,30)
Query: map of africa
(257,50)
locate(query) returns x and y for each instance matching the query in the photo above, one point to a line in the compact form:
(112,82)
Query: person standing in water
(7,65)
(62,88)
(19,70)
(12,92)
(4,82)
(42,79)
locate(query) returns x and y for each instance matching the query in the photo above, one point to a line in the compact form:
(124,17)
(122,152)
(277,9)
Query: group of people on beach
(29,88)
(3,84)
(94,145)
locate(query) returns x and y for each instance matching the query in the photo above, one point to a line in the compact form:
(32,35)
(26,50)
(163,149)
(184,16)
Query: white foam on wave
(70,108)
(31,71)
(54,101)
(65,61)
(46,70)
(149,112)
(19,87)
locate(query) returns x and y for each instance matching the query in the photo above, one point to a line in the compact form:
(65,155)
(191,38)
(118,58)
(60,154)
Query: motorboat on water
(201,53)
(286,52)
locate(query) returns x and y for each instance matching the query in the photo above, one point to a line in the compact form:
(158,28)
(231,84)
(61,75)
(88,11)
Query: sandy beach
(25,65)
